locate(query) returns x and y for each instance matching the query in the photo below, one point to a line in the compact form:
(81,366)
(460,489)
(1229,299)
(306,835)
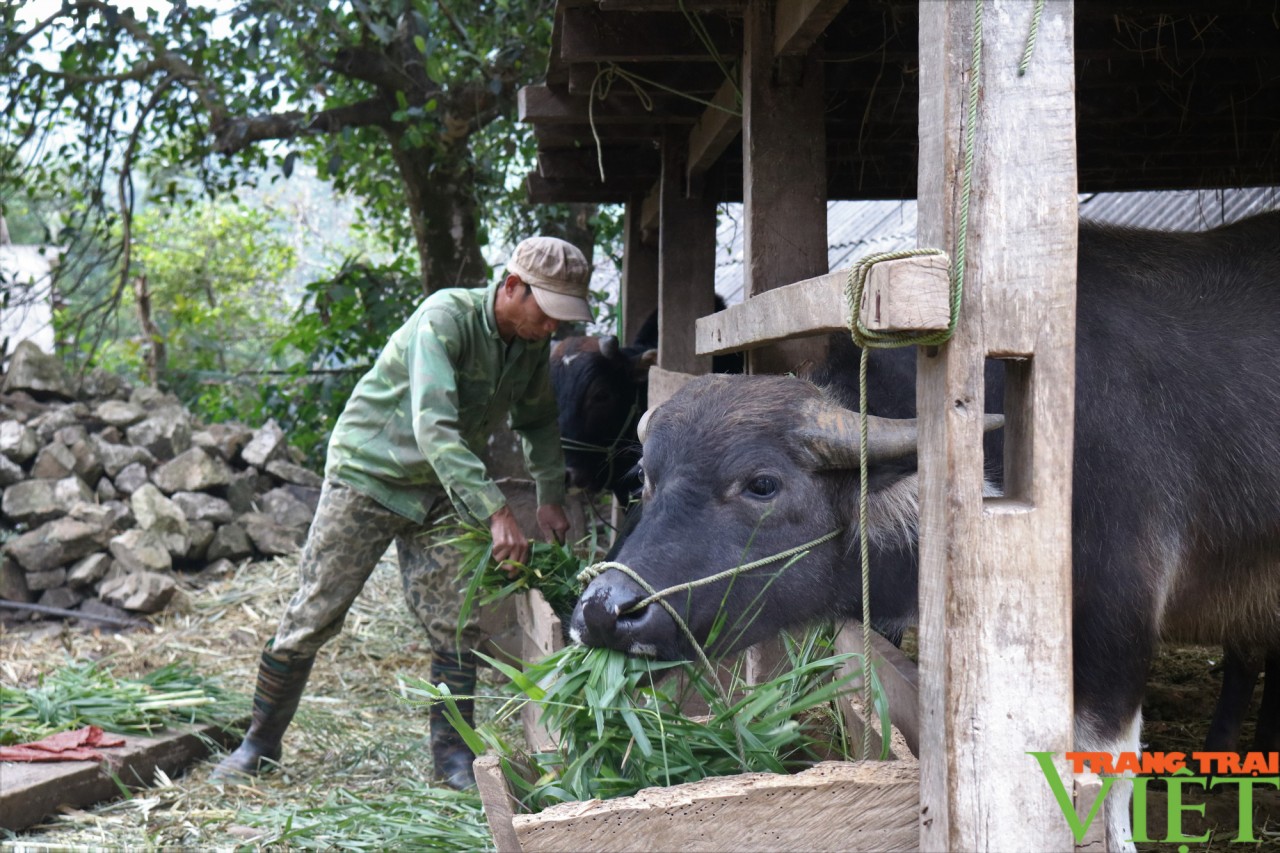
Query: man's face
(524,318)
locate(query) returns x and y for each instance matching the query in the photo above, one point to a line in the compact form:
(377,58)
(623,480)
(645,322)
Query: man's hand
(509,542)
(552,522)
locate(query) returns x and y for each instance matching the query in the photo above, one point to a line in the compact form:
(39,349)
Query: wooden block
(1088,787)
(663,384)
(31,792)
(799,23)
(499,804)
(899,677)
(909,294)
(862,805)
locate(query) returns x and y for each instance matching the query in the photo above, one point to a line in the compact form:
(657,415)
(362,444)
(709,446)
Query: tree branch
(375,68)
(236,134)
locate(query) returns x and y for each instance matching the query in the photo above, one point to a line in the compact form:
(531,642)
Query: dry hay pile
(357,762)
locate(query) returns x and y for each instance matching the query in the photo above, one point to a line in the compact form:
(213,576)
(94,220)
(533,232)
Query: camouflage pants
(348,536)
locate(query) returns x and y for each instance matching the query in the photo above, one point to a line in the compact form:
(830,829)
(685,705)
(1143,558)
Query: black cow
(602,389)
(1175,512)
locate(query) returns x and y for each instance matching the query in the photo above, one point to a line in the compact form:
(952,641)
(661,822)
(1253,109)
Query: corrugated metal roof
(859,228)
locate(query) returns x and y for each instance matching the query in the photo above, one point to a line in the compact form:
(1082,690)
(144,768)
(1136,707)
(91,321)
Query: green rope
(1031,38)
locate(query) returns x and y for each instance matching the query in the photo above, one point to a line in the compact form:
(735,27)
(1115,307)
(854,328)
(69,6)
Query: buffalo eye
(762,487)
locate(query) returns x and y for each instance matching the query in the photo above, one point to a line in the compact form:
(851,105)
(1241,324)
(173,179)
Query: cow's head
(599,388)
(735,469)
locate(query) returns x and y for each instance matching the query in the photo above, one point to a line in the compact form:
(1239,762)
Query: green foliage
(413,816)
(618,727)
(333,337)
(87,694)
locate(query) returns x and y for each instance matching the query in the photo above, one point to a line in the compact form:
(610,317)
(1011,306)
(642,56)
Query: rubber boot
(450,755)
(281,680)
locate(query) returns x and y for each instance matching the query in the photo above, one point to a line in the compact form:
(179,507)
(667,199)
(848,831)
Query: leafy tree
(406,104)
(203,312)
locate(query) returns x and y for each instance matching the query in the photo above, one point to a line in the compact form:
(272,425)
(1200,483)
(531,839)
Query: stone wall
(108,489)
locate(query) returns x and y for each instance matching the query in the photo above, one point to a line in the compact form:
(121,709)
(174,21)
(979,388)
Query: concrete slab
(31,792)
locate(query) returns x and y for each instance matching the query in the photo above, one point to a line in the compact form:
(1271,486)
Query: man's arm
(534,416)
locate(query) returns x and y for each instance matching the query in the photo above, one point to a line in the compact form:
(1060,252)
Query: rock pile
(108,489)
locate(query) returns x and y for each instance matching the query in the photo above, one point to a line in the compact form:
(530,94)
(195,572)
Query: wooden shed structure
(673,106)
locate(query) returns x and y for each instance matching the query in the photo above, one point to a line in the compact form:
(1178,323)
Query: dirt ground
(1181,694)
(357,741)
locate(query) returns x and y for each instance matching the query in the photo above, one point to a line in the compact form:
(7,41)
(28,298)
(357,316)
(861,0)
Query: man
(404,448)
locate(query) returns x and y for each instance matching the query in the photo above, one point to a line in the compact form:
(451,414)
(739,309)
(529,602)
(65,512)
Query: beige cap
(558,274)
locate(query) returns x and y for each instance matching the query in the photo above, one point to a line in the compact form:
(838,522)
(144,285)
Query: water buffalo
(1175,511)
(601,388)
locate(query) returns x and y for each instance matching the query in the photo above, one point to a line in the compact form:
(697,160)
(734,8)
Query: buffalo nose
(605,617)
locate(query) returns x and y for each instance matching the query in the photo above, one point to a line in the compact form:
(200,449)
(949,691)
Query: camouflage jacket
(417,419)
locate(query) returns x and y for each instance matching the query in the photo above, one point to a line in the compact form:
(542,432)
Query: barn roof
(1174,94)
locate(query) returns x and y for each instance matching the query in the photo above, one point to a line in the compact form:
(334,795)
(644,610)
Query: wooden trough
(875,803)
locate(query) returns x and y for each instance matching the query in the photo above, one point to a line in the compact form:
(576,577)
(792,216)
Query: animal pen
(994,115)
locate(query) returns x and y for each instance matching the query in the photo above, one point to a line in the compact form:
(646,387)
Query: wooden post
(639,290)
(784,192)
(995,589)
(686,261)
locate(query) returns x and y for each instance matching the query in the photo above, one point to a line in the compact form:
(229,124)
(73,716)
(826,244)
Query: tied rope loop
(866,339)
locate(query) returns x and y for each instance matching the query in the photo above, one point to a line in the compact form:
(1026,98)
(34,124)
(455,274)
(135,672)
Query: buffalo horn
(831,434)
(609,346)
(643,425)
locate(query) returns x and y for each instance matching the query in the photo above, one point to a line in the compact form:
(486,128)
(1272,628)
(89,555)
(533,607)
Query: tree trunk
(156,356)
(442,208)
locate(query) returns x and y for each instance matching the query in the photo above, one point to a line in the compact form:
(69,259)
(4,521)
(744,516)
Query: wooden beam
(729,7)
(898,675)
(992,685)
(784,177)
(808,307)
(586,163)
(540,190)
(799,23)
(592,35)
(686,262)
(545,105)
(692,78)
(650,209)
(583,136)
(911,294)
(715,130)
(639,289)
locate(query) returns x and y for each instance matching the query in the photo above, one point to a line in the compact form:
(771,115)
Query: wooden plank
(617,190)
(545,105)
(617,161)
(583,136)
(995,620)
(686,261)
(908,294)
(784,178)
(542,635)
(864,805)
(730,7)
(499,804)
(810,307)
(31,792)
(592,35)
(1087,787)
(719,126)
(798,23)
(639,290)
(651,209)
(899,676)
(692,78)
(664,383)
